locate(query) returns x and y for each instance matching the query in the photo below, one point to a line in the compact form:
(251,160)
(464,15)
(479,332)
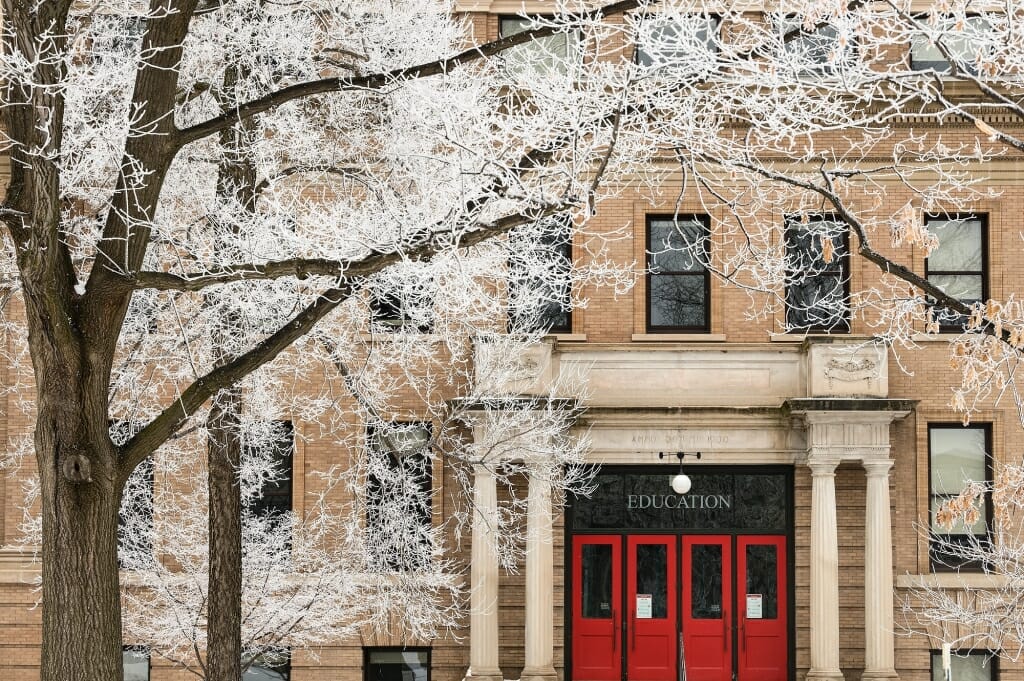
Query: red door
(596,608)
(707,608)
(761,601)
(651,597)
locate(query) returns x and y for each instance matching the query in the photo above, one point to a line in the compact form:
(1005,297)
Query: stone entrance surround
(813,402)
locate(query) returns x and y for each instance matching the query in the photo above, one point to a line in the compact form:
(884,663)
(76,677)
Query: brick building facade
(850,435)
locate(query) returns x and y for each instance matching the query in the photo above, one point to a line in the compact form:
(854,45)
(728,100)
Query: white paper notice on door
(644,604)
(754,602)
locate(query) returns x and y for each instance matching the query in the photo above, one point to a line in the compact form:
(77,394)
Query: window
(276,494)
(409,310)
(269,666)
(956,456)
(540,283)
(678,284)
(135,515)
(966,666)
(396,664)
(957,265)
(398,496)
(817,274)
(688,43)
(962,41)
(546,56)
(135,661)
(812,50)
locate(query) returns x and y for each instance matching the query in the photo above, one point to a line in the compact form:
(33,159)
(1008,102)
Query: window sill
(568,337)
(951,580)
(798,337)
(679,337)
(941,337)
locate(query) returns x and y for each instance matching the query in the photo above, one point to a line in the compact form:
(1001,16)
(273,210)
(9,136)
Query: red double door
(637,598)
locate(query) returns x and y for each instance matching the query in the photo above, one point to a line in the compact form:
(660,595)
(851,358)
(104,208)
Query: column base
(539,674)
(879,675)
(483,675)
(824,675)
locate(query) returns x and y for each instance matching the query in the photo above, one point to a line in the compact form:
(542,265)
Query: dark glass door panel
(596,608)
(707,598)
(763,627)
(651,601)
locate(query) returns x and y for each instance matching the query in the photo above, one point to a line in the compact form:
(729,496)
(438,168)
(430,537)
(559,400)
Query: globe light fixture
(680,482)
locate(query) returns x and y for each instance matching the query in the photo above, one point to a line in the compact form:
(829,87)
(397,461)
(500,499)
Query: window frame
(383,303)
(565,250)
(992,663)
(817,69)
(982,219)
(286,654)
(791,219)
(368,650)
(714,42)
(572,50)
(258,506)
(943,68)
(135,648)
(937,562)
(426,484)
(705,221)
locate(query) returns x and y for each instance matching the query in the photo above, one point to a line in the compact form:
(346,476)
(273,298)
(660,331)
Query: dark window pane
(540,277)
(964,667)
(397,665)
(706,581)
(762,578)
(652,576)
(597,581)
(276,495)
(674,246)
(816,290)
(818,302)
(678,300)
(269,667)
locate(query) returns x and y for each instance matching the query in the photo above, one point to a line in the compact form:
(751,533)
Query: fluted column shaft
(879,653)
(483,599)
(824,572)
(539,584)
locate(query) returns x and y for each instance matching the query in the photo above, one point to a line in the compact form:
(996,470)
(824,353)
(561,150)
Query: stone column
(483,599)
(539,584)
(879,653)
(824,573)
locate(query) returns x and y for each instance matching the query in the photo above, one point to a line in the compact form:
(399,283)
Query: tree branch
(381,80)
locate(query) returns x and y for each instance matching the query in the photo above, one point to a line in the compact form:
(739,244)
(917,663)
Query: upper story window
(270,666)
(961,38)
(547,55)
(398,496)
(409,310)
(957,265)
(973,665)
(135,662)
(812,50)
(396,664)
(276,493)
(817,274)
(678,284)
(957,455)
(688,42)
(540,277)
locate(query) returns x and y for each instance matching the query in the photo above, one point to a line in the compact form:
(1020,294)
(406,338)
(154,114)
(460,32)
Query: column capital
(878,468)
(822,467)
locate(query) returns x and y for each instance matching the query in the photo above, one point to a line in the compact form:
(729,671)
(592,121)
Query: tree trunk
(224,621)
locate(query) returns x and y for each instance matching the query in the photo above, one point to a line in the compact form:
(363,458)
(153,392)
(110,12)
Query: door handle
(615,630)
(725,630)
(632,628)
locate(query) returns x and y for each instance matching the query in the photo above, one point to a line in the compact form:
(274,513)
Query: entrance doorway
(637,597)
(651,599)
